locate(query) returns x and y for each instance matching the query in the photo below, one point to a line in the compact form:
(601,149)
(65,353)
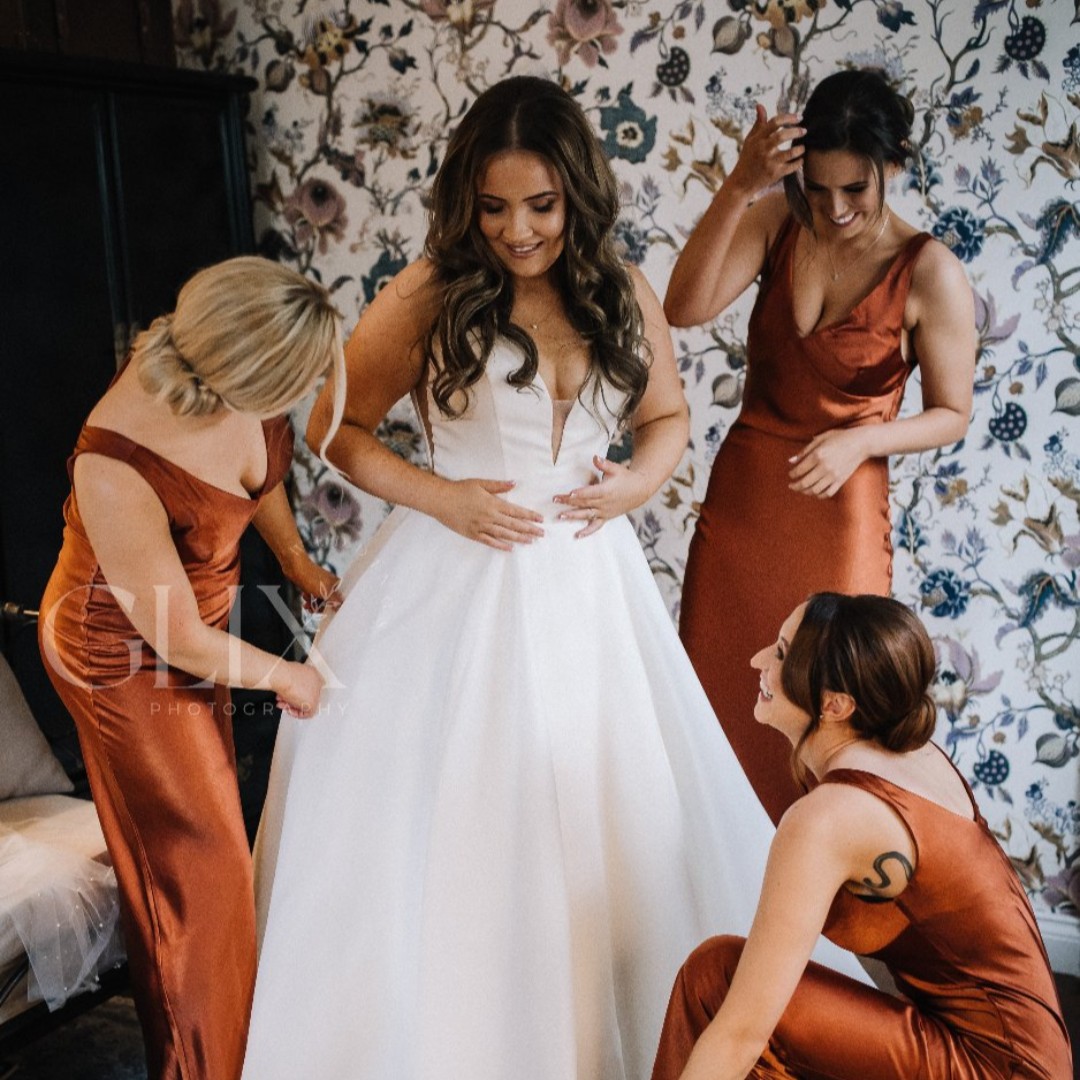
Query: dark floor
(104,1044)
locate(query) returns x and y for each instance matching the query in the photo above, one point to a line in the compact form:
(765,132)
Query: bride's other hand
(616,491)
(476,510)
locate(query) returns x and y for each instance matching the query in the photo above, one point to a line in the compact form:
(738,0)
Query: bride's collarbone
(557,336)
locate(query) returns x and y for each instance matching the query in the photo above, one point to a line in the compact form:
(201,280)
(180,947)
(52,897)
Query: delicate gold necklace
(527,320)
(836,274)
(544,318)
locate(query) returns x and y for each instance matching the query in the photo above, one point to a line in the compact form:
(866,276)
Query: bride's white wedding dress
(487,856)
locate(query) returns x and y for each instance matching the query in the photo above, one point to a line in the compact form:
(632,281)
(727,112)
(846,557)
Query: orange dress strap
(163,475)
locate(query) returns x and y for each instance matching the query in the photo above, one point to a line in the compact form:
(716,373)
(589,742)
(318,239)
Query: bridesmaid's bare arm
(825,840)
(726,251)
(276,524)
(129,531)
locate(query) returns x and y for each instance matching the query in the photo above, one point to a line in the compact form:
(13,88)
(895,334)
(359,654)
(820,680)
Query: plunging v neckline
(561,408)
(839,323)
(554,402)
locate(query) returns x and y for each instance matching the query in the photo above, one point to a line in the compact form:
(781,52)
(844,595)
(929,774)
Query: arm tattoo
(879,865)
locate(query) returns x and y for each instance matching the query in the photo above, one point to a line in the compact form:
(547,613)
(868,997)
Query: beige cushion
(27,764)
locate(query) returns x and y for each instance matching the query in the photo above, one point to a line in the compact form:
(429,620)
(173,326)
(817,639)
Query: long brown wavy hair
(476,293)
(875,650)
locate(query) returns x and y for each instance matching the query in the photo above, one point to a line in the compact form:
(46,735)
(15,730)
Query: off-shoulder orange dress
(159,756)
(759,549)
(961,942)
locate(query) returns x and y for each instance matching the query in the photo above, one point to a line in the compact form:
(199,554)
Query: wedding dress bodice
(506,433)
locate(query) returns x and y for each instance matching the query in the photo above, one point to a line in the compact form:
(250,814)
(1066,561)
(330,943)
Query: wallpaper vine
(354,105)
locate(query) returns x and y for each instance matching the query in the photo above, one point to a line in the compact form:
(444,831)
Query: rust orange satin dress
(963,946)
(161,764)
(759,549)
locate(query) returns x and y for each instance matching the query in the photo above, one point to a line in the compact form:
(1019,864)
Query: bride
(489,852)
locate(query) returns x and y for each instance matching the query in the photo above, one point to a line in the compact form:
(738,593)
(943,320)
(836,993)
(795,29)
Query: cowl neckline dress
(759,549)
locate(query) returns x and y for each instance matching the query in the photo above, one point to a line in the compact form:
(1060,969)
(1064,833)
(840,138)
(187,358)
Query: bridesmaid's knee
(699,991)
(708,970)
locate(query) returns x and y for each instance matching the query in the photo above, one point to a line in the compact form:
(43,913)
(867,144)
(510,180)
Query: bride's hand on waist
(476,510)
(616,491)
(826,463)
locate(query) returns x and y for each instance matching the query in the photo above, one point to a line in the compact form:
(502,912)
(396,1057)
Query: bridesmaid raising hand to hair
(851,298)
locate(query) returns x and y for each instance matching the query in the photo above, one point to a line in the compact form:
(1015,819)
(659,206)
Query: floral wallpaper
(348,124)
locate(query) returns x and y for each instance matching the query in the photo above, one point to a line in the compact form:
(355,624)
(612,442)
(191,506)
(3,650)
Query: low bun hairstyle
(167,375)
(875,650)
(248,334)
(857,111)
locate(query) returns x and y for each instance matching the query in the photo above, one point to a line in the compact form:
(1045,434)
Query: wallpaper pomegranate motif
(354,104)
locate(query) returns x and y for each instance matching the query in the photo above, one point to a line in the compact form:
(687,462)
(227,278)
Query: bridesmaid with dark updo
(188,446)
(850,299)
(889,857)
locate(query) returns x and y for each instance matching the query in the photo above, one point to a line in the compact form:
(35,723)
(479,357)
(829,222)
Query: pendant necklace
(526,321)
(836,274)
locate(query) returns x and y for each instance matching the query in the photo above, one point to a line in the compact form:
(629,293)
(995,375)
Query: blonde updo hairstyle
(247,334)
(875,650)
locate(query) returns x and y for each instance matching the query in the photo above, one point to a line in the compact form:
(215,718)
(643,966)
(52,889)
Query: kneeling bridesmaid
(887,855)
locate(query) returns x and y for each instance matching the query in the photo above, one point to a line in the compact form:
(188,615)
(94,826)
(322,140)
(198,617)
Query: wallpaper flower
(348,124)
